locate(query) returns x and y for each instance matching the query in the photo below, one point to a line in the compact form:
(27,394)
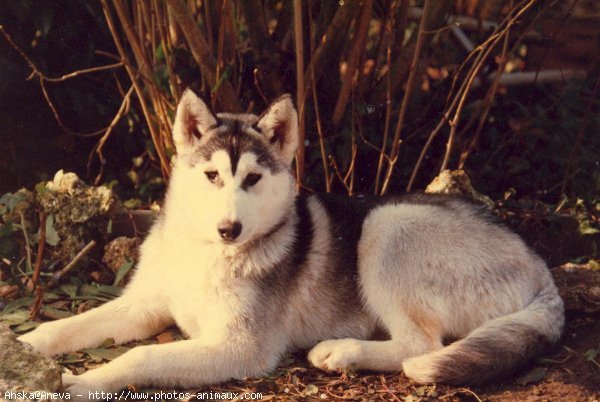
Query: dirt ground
(563,375)
(571,372)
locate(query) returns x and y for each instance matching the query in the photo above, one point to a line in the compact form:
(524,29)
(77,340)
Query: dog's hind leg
(123,319)
(389,277)
(407,340)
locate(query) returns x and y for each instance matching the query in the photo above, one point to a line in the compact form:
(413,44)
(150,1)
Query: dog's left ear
(279,124)
(192,120)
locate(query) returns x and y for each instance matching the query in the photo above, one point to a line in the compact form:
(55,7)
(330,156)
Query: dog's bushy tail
(497,348)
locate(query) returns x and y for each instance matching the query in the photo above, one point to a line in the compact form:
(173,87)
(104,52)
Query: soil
(569,373)
(563,375)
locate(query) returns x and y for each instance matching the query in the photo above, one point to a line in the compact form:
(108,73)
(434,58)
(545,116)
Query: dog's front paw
(41,340)
(337,354)
(87,387)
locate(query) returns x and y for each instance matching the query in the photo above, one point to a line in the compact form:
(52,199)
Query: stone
(22,369)
(456,182)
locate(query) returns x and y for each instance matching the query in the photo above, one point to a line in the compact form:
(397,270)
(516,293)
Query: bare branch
(300,89)
(202,55)
(348,80)
(264,52)
(331,40)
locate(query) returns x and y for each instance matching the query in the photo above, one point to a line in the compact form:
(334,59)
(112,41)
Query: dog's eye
(251,179)
(212,175)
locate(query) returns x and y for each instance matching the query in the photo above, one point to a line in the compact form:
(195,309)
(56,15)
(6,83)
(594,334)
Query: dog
(248,269)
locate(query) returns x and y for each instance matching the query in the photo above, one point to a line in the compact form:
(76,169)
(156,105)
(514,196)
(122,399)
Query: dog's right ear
(193,119)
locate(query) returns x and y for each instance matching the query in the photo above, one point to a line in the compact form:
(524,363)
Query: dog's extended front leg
(123,319)
(184,364)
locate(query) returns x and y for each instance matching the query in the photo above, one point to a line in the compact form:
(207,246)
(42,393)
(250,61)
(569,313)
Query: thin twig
(330,40)
(388,390)
(318,118)
(35,72)
(300,88)
(352,62)
(407,96)
(388,117)
(27,243)
(122,110)
(201,53)
(265,55)
(489,98)
(40,250)
(483,51)
(472,74)
(133,76)
(461,390)
(58,275)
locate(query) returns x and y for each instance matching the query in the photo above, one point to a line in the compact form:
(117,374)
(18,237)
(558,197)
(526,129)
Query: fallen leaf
(54,313)
(311,389)
(16,304)
(99,354)
(76,357)
(26,326)
(122,271)
(15,318)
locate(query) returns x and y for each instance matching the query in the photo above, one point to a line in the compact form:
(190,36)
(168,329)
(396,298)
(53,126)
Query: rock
(24,370)
(579,286)
(119,251)
(79,212)
(457,182)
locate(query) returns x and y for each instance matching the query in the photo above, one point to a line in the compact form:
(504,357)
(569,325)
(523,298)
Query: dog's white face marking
(234,169)
(245,197)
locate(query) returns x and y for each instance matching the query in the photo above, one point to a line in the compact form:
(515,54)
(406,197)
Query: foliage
(389,91)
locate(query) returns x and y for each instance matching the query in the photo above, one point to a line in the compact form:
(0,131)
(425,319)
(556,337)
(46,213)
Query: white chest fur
(197,288)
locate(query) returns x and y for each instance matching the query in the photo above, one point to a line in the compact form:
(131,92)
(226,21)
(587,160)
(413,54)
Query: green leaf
(122,271)
(76,357)
(594,265)
(52,238)
(11,200)
(591,354)
(132,203)
(109,291)
(102,293)
(26,326)
(16,304)
(222,78)
(6,229)
(55,313)
(15,318)
(586,228)
(311,389)
(41,188)
(99,354)
(69,289)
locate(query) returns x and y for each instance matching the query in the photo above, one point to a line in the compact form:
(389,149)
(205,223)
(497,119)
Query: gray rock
(23,370)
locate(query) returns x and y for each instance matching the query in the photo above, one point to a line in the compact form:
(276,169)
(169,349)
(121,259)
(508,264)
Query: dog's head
(232,178)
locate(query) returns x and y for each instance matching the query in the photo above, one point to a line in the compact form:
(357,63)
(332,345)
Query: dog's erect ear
(192,120)
(279,124)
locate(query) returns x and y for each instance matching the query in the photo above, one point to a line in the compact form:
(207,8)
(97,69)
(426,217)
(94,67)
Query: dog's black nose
(229,230)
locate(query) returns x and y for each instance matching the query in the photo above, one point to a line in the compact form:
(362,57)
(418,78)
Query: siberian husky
(249,269)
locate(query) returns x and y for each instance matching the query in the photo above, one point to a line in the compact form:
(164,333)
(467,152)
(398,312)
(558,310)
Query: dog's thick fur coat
(248,270)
